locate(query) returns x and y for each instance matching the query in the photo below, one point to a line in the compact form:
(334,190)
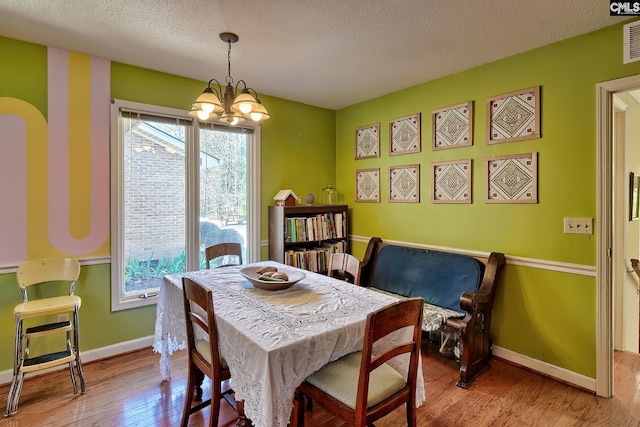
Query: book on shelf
(313,259)
(320,227)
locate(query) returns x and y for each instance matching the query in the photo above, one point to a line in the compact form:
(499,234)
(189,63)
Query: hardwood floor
(126,391)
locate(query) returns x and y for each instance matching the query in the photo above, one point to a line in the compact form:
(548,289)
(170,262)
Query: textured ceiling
(328,53)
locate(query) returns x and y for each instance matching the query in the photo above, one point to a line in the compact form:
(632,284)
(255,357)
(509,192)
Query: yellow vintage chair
(44,272)
(344,266)
(223,250)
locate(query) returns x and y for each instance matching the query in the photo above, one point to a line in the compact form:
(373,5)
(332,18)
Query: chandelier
(234,106)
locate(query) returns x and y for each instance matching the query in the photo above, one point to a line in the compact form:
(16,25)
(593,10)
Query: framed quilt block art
(404,184)
(512,178)
(514,116)
(404,135)
(368,185)
(451,182)
(368,141)
(453,126)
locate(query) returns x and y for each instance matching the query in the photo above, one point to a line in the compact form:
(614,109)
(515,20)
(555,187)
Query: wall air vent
(632,42)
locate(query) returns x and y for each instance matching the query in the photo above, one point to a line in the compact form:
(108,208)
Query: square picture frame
(404,184)
(368,185)
(452,126)
(514,116)
(404,135)
(368,141)
(451,181)
(634,196)
(512,178)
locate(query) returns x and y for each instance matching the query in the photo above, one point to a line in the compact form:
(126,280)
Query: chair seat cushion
(340,380)
(202,347)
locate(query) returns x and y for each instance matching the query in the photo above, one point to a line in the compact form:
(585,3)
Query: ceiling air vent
(632,42)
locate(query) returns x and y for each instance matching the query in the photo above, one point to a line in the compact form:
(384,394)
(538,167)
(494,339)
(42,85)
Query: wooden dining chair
(223,250)
(344,266)
(203,353)
(361,387)
(36,275)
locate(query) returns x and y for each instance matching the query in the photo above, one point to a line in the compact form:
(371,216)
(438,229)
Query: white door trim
(605,226)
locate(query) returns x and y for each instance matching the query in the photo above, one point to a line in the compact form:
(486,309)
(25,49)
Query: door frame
(609,239)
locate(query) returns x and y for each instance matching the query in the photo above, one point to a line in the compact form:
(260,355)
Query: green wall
(298,152)
(543,314)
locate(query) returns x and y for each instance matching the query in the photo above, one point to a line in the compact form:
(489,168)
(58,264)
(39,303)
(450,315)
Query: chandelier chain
(229,78)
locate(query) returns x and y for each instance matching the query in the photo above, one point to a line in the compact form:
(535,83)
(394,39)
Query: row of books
(314,228)
(314,259)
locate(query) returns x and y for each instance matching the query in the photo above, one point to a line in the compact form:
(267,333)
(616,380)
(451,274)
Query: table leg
(297,412)
(197,389)
(243,421)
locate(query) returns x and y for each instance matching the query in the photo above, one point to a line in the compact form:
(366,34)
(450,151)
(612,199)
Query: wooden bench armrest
(366,265)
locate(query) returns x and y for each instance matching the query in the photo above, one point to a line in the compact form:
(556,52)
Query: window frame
(119,299)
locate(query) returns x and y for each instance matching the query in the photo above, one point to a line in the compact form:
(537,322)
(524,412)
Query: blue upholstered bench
(458,291)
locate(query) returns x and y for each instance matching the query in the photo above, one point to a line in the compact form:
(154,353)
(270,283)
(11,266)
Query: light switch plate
(578,225)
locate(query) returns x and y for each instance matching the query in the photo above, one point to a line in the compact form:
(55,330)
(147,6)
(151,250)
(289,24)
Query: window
(223,186)
(177,187)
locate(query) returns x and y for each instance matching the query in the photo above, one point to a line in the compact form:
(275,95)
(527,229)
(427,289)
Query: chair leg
(80,374)
(9,410)
(214,412)
(411,412)
(17,362)
(71,368)
(76,347)
(16,393)
(188,397)
(73,377)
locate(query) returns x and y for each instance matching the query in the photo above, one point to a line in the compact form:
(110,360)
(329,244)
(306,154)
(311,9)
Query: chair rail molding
(562,267)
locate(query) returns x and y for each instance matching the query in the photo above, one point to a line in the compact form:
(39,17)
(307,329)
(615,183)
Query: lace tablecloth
(272,340)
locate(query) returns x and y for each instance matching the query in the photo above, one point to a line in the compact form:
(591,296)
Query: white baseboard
(91,355)
(545,368)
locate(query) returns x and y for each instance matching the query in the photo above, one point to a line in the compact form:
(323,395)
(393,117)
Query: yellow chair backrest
(48,270)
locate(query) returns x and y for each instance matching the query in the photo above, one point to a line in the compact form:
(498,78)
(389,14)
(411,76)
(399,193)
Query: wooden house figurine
(285,198)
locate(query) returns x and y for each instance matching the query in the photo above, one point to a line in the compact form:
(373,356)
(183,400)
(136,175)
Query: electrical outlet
(63,317)
(578,225)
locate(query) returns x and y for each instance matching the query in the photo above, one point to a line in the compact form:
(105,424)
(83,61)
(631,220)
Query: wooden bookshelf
(304,236)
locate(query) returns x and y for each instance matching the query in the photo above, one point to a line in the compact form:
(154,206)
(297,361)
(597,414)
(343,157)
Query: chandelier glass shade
(234,105)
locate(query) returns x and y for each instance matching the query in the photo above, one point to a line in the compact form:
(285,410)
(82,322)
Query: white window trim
(120,301)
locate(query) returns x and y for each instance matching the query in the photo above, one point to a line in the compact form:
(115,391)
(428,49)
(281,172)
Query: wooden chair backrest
(198,295)
(345,266)
(222,249)
(404,313)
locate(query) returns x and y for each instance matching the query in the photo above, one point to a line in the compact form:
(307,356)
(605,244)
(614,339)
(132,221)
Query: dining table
(272,340)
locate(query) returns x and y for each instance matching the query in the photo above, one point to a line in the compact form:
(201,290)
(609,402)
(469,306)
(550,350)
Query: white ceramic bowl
(251,274)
